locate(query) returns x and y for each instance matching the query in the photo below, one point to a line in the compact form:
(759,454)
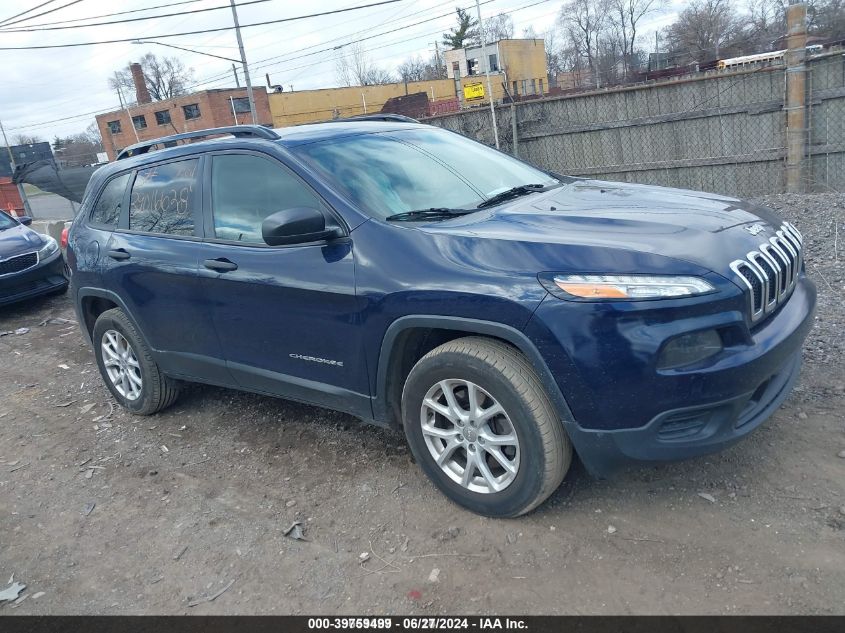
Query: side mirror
(297,225)
(25,220)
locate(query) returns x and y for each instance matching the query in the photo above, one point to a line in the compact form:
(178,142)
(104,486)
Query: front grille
(18,263)
(770,272)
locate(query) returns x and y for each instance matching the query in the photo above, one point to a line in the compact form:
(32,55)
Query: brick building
(195,111)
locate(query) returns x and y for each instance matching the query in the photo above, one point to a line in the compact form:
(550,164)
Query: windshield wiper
(435,213)
(514,192)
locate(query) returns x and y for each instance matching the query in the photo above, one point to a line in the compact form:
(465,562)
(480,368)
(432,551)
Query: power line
(28,29)
(257,65)
(17,15)
(108,15)
(64,6)
(222,28)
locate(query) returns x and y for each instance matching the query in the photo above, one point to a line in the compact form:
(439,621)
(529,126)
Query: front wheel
(127,366)
(481,426)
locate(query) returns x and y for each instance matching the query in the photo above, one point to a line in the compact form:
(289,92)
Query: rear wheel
(127,366)
(482,428)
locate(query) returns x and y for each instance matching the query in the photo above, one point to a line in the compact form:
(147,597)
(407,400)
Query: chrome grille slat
(770,272)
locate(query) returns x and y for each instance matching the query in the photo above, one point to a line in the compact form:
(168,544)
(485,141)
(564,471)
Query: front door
(287,317)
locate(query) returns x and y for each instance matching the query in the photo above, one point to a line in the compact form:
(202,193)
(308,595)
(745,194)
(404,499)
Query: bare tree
(498,27)
(355,68)
(583,21)
(625,17)
(416,69)
(78,149)
(26,139)
(703,29)
(166,77)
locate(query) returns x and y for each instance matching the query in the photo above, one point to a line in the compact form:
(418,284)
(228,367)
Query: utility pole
(235,70)
(486,72)
(124,107)
(243,61)
(22,193)
(796,104)
(437,57)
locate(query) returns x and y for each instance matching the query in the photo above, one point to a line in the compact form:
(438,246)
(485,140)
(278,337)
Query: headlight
(626,286)
(50,247)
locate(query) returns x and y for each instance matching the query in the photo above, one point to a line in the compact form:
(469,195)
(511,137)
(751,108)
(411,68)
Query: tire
(155,391)
(522,474)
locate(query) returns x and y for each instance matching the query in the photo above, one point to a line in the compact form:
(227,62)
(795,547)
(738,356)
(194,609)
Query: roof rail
(386,116)
(239,131)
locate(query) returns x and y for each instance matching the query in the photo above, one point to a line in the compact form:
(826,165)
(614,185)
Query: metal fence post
(515,142)
(796,83)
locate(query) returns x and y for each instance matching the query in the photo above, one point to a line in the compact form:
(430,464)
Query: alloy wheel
(470,436)
(121,365)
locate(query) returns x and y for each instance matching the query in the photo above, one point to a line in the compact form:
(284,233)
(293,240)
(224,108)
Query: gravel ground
(185,512)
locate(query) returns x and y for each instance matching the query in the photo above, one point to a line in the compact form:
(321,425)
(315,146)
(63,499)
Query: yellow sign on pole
(473,92)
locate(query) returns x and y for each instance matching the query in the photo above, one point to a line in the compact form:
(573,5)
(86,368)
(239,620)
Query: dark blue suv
(503,315)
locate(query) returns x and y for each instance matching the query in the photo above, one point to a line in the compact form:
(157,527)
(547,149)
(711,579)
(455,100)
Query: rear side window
(107,210)
(245,189)
(164,199)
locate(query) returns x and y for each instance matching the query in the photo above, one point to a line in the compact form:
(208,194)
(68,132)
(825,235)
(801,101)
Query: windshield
(6,222)
(407,170)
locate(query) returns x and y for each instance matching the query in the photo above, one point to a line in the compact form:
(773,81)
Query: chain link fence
(824,168)
(723,132)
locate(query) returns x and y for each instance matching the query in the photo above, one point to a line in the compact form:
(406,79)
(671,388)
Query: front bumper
(45,277)
(623,409)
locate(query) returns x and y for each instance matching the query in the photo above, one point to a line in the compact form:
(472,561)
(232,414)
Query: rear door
(286,316)
(152,261)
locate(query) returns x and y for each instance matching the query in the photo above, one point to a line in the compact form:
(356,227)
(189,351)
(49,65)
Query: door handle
(118,254)
(221,265)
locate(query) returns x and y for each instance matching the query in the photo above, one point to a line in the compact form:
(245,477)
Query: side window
(107,210)
(245,189)
(164,198)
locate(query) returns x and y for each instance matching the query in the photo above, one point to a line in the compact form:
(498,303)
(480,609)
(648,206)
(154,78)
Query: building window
(162,117)
(472,67)
(541,85)
(140,122)
(533,86)
(241,105)
(493,60)
(515,88)
(191,111)
(456,69)
(114,127)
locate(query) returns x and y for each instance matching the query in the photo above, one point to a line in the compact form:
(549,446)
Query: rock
(434,576)
(841,454)
(802,415)
(611,529)
(290,504)
(707,497)
(842,510)
(448,534)
(36,596)
(363,557)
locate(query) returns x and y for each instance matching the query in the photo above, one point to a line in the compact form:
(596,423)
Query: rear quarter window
(106,211)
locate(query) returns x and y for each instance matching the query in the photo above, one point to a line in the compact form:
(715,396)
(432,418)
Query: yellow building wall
(306,106)
(524,59)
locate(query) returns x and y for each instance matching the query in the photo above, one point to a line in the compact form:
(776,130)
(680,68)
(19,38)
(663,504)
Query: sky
(50,92)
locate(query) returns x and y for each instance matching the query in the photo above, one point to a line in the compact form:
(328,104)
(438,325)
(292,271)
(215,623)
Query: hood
(707,230)
(18,240)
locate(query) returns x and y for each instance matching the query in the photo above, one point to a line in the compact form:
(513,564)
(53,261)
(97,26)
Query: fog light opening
(689,349)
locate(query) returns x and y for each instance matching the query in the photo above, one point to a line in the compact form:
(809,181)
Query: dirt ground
(105,513)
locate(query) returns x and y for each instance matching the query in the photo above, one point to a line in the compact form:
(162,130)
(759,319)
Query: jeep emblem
(755,229)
